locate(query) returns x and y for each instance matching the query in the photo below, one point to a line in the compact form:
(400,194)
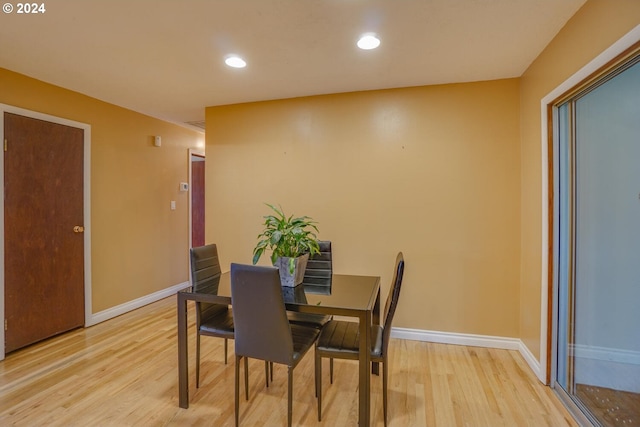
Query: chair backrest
(262,329)
(205,273)
(320,266)
(392,300)
(205,265)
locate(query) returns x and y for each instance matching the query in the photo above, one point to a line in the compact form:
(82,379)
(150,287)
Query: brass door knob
(78,229)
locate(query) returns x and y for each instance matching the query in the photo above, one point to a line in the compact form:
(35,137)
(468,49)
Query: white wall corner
(533,363)
(456,338)
(472,340)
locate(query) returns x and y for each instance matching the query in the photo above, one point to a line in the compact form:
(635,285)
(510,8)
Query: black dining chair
(320,266)
(262,330)
(317,275)
(341,339)
(214,320)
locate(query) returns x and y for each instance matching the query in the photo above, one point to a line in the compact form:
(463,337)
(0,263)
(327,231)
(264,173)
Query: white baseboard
(112,312)
(617,355)
(474,341)
(456,338)
(607,367)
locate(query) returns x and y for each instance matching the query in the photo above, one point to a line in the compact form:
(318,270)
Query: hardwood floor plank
(123,372)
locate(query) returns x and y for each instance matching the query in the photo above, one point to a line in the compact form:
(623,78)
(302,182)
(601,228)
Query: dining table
(354,296)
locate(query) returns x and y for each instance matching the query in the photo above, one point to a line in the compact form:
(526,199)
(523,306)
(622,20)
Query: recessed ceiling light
(235,62)
(368,41)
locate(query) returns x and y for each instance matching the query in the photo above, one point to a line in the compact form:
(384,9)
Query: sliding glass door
(597,248)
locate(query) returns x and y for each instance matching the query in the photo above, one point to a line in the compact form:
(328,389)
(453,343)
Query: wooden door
(44,256)
(197,201)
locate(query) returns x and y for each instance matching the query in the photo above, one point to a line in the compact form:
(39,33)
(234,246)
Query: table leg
(183,368)
(364,361)
(375,366)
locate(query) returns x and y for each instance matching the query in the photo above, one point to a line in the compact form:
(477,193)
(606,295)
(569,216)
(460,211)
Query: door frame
(547,112)
(86,206)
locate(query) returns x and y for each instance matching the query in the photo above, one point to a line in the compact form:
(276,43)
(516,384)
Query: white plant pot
(288,279)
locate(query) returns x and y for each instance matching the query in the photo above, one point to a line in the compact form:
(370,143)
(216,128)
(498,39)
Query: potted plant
(291,241)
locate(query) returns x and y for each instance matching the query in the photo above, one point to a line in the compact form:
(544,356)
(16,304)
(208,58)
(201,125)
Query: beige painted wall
(595,27)
(432,171)
(139,246)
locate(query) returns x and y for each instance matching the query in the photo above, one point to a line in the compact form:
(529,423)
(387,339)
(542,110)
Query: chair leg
(237,389)
(266,372)
(290,396)
(384,390)
(331,370)
(197,360)
(315,371)
(318,362)
(246,377)
(225,350)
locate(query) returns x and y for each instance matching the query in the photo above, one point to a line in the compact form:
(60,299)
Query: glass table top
(345,292)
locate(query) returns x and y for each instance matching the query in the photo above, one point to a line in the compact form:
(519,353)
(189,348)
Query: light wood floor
(123,372)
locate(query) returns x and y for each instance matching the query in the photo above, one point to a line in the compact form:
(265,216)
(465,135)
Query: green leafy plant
(286,237)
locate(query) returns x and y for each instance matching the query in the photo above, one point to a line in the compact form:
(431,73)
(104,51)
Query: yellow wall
(139,246)
(432,171)
(595,27)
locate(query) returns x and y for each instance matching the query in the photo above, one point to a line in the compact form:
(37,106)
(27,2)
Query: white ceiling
(165,58)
